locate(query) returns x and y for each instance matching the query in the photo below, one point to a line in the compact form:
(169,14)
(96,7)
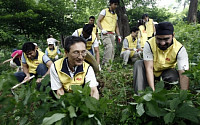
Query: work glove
(104,31)
(99,67)
(99,41)
(119,39)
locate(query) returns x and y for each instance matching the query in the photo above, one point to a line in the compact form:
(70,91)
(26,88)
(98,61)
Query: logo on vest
(168,59)
(79,79)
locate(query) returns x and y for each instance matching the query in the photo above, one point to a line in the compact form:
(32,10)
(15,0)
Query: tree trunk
(123,22)
(192,13)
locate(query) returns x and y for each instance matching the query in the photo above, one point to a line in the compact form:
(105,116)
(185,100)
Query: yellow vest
(52,54)
(109,21)
(143,37)
(64,75)
(164,59)
(149,27)
(89,43)
(131,44)
(33,64)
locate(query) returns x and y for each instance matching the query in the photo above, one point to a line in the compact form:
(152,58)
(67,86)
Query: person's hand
(119,39)
(60,92)
(27,78)
(99,41)
(104,31)
(39,80)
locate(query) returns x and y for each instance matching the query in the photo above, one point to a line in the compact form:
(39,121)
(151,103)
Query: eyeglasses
(78,53)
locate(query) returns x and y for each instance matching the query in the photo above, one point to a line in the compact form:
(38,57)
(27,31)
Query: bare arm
(184,80)
(100,18)
(96,49)
(117,30)
(25,70)
(149,73)
(8,60)
(94,92)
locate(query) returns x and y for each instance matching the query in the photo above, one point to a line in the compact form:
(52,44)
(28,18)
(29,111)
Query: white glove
(104,31)
(119,39)
(99,67)
(99,41)
(56,57)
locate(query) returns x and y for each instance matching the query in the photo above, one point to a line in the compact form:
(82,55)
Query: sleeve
(46,52)
(75,33)
(90,77)
(23,59)
(55,81)
(103,12)
(58,51)
(147,53)
(45,59)
(96,43)
(125,43)
(182,59)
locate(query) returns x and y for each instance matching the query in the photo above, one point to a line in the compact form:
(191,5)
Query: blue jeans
(40,71)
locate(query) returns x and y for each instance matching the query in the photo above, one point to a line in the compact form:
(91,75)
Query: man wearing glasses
(73,70)
(160,56)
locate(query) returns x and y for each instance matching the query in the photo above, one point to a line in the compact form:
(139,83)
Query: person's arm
(100,18)
(183,64)
(148,62)
(8,60)
(184,80)
(25,70)
(90,77)
(60,92)
(94,92)
(96,49)
(149,73)
(117,30)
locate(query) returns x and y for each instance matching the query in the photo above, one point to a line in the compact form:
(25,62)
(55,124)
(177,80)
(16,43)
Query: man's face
(146,19)
(85,35)
(91,21)
(31,54)
(134,34)
(164,41)
(76,54)
(51,46)
(113,6)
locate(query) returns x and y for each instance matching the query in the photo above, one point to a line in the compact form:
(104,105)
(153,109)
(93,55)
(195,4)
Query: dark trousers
(40,71)
(140,79)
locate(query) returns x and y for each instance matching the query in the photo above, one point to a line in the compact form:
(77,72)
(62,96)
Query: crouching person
(73,70)
(131,47)
(34,62)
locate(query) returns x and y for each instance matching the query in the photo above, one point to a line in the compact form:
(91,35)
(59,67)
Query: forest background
(33,20)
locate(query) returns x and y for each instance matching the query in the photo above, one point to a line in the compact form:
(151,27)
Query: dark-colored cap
(114,1)
(164,28)
(88,29)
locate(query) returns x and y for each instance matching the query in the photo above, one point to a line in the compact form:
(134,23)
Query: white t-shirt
(182,57)
(56,83)
(103,12)
(95,44)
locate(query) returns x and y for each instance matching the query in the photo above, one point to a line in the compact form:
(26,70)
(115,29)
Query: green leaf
(174,103)
(183,95)
(23,121)
(188,112)
(154,110)
(72,112)
(86,89)
(169,117)
(91,103)
(54,118)
(28,94)
(140,109)
(159,86)
(147,97)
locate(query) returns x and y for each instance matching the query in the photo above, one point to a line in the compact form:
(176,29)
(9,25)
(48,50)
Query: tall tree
(192,13)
